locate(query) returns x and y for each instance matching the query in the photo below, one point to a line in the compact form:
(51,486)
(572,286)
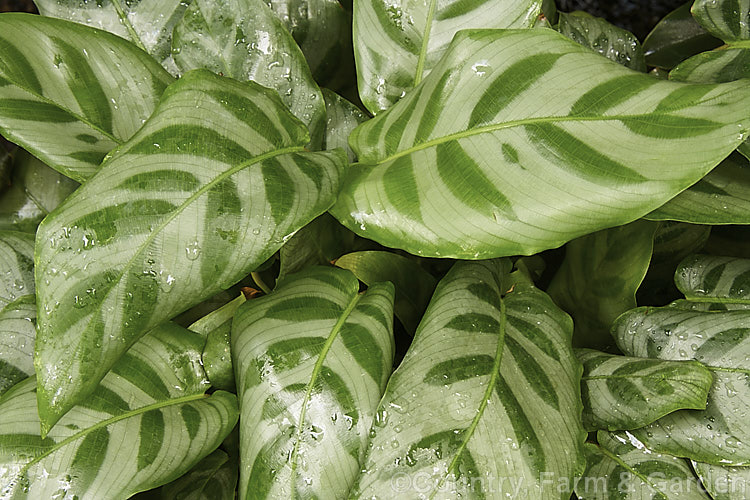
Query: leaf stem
(425,43)
(126,22)
(261,284)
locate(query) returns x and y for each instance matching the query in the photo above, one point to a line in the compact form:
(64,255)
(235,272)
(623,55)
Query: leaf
(244,40)
(396,44)
(489,389)
(147,423)
(724,483)
(714,279)
(511,171)
(717,66)
(17,333)
(727,20)
(35,190)
(17,265)
(675,38)
(596,33)
(146,23)
(414,285)
(213,478)
(599,277)
(70,93)
(721,197)
(623,393)
(312,360)
(622,468)
(203,194)
(343,117)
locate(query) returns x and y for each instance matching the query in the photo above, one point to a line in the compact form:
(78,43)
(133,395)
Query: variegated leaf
(717,66)
(243,39)
(503,169)
(17,334)
(725,19)
(724,483)
(312,360)
(208,189)
(714,279)
(489,389)
(147,423)
(16,266)
(396,44)
(599,278)
(596,33)
(213,478)
(343,117)
(71,93)
(146,23)
(622,468)
(622,392)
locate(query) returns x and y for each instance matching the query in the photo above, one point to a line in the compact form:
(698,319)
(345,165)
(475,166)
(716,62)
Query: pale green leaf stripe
(208,190)
(725,19)
(717,66)
(599,278)
(721,341)
(16,266)
(69,93)
(17,334)
(724,483)
(146,23)
(147,423)
(505,170)
(489,389)
(312,360)
(622,468)
(342,118)
(623,393)
(711,278)
(596,33)
(213,478)
(396,44)
(721,197)
(244,40)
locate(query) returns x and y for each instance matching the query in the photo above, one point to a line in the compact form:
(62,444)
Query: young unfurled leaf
(396,44)
(312,360)
(502,169)
(490,388)
(203,194)
(147,423)
(69,93)
(623,393)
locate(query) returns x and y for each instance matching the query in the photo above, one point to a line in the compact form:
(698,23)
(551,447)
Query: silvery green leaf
(489,389)
(148,422)
(725,64)
(724,483)
(208,190)
(715,279)
(725,19)
(70,93)
(213,478)
(343,117)
(16,266)
(312,360)
(17,334)
(623,393)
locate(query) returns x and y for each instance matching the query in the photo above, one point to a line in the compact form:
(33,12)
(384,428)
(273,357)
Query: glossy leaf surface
(487,382)
(147,423)
(725,19)
(17,334)
(71,93)
(716,280)
(504,170)
(171,220)
(396,44)
(244,40)
(16,266)
(342,118)
(312,360)
(717,66)
(724,483)
(622,392)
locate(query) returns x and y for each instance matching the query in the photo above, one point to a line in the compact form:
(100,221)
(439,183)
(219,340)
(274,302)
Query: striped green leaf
(721,197)
(478,161)
(725,19)
(312,360)
(244,40)
(396,44)
(596,33)
(16,266)
(35,190)
(715,279)
(203,194)
(413,285)
(721,341)
(599,277)
(147,423)
(622,468)
(622,392)
(146,23)
(213,478)
(724,483)
(71,93)
(343,117)
(17,334)
(489,389)
(716,66)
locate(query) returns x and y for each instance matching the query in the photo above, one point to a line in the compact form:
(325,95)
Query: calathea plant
(310,250)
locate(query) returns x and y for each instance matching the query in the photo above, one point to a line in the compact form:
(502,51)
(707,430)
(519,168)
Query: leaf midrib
(313,377)
(632,470)
(128,25)
(425,42)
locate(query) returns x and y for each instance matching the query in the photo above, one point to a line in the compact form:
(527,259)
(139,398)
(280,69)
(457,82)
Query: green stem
(261,284)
